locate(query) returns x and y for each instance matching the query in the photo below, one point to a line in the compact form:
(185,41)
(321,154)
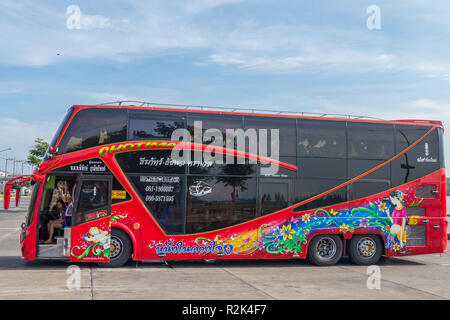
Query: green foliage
(37,152)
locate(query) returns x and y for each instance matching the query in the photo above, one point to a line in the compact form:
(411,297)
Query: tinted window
(321,138)
(142,129)
(286,134)
(92,201)
(149,161)
(273,195)
(370,141)
(281,172)
(205,122)
(119,194)
(307,188)
(93,127)
(202,166)
(418,162)
(164,196)
(61,127)
(358,167)
(32,204)
(322,168)
(93,195)
(362,189)
(219,202)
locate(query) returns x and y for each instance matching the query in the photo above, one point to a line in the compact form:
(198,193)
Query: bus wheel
(121,249)
(365,249)
(325,250)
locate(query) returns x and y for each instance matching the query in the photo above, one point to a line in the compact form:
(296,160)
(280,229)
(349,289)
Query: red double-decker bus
(110,190)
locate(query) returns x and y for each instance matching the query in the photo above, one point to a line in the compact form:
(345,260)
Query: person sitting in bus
(58,222)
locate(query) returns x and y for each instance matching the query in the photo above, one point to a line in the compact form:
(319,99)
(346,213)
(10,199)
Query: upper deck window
(143,129)
(370,141)
(322,139)
(94,127)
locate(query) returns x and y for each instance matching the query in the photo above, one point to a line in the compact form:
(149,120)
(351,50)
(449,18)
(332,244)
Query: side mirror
(52,149)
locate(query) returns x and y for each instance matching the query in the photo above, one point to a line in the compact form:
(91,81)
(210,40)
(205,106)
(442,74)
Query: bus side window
(370,141)
(93,196)
(318,138)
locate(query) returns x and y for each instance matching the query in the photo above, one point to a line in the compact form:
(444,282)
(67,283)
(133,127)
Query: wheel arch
(129,233)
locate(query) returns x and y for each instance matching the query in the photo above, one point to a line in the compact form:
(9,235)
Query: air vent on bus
(416,235)
(426,192)
(415,211)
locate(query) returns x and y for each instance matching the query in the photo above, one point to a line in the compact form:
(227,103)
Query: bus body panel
(279,235)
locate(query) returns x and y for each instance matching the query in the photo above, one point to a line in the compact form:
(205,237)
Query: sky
(313,56)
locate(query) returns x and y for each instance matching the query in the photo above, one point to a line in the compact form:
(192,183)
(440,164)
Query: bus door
(91,220)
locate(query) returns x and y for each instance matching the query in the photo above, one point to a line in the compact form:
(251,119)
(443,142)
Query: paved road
(420,277)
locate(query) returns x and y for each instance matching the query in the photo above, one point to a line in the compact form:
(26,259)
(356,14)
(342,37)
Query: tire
(121,242)
(365,249)
(325,250)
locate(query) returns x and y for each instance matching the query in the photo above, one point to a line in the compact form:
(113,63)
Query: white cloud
(198,6)
(20,135)
(94,22)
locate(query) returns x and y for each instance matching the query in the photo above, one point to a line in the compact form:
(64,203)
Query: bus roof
(138,105)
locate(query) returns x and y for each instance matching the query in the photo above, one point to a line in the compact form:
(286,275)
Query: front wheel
(325,250)
(121,249)
(365,249)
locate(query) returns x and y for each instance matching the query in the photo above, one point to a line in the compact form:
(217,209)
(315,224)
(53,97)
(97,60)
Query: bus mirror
(7,196)
(17,197)
(52,149)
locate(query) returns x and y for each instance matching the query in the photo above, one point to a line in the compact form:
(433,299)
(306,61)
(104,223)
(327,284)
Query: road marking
(9,234)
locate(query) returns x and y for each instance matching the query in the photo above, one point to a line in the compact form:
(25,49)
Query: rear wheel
(325,250)
(121,249)
(365,249)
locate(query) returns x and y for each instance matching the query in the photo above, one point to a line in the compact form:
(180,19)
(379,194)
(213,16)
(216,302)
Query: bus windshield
(59,131)
(93,127)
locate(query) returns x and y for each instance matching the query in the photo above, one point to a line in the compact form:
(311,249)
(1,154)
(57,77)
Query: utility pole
(6,161)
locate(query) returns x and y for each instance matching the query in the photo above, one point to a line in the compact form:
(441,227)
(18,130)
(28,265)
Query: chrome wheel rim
(326,248)
(366,247)
(116,247)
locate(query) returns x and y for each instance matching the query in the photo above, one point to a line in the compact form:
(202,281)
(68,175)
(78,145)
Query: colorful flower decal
(413,220)
(97,241)
(295,233)
(287,232)
(364,223)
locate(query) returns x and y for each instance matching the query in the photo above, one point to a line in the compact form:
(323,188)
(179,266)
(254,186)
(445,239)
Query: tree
(37,152)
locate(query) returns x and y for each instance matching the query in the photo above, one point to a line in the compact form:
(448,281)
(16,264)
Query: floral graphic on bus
(97,242)
(388,217)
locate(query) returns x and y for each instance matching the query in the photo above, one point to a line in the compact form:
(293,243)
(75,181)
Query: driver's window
(92,201)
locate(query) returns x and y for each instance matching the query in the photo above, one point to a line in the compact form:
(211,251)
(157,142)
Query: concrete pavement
(419,277)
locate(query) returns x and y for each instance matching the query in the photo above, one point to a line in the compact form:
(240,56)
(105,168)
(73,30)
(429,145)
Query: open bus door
(91,220)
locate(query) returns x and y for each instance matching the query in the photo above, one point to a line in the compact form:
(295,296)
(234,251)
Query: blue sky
(316,56)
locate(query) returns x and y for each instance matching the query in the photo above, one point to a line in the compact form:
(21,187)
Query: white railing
(236,109)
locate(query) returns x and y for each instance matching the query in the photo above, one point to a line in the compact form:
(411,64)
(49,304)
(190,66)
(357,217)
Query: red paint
(142,229)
